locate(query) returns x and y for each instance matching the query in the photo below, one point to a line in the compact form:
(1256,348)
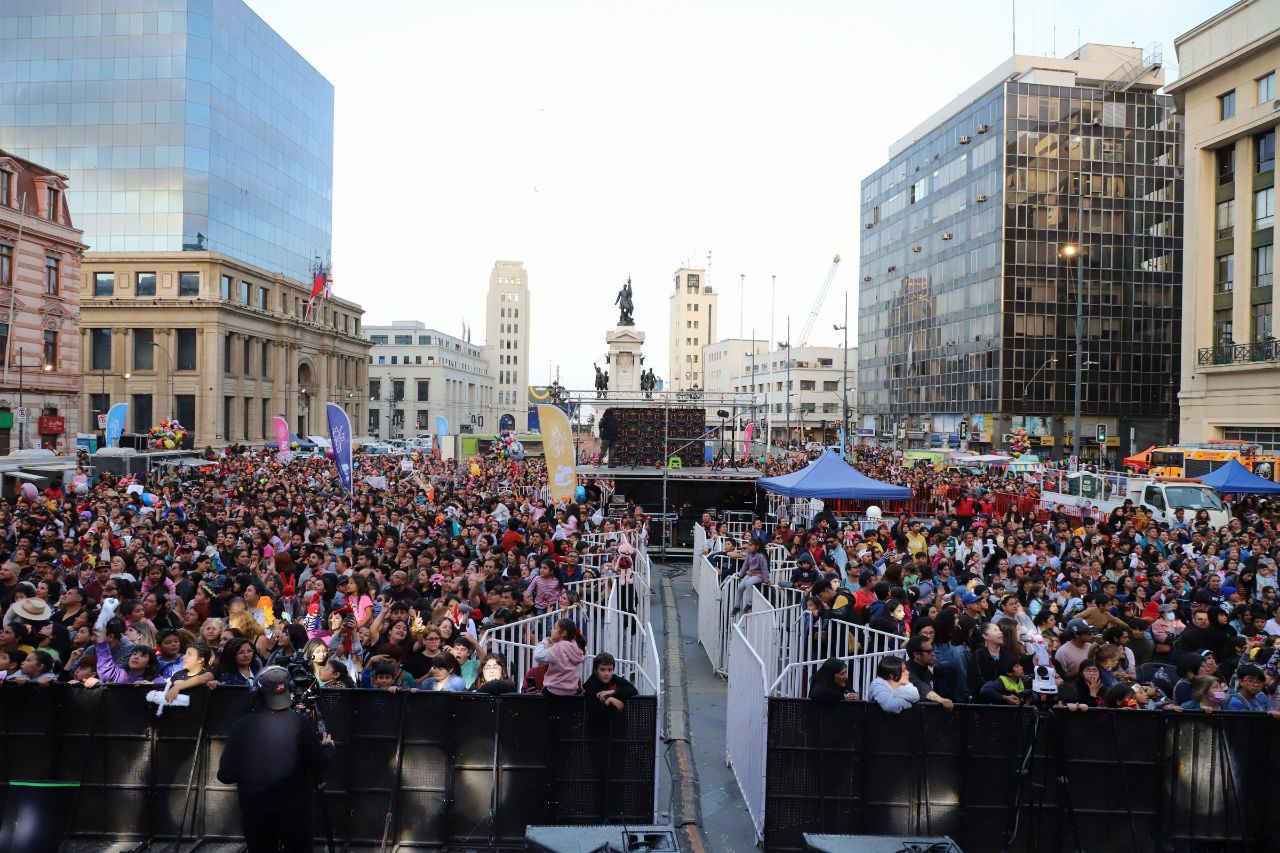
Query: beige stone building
(222,345)
(508,329)
(1227,92)
(693,326)
(39,308)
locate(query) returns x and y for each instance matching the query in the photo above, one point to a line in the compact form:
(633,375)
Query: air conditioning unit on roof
(980,197)
(965,140)
(982,128)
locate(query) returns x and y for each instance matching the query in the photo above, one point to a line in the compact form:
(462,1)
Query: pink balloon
(30,492)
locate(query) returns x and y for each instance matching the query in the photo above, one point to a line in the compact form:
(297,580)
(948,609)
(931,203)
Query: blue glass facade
(173,118)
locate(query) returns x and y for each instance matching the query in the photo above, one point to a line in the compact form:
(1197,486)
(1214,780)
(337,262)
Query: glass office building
(172,119)
(967,316)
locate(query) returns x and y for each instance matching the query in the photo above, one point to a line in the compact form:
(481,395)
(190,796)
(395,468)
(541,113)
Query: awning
(1235,479)
(301,442)
(829,476)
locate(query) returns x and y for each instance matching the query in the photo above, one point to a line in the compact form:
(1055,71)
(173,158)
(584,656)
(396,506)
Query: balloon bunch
(1020,443)
(166,435)
(506,447)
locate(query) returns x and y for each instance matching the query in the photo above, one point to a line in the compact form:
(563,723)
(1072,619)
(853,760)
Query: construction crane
(817,303)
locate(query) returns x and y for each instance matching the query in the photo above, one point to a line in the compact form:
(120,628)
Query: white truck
(1103,491)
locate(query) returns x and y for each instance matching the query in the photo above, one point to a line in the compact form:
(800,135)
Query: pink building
(40,254)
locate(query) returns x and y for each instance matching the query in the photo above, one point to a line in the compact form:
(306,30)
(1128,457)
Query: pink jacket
(563,660)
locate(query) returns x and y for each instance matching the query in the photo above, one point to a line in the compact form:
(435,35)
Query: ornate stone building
(222,345)
(40,254)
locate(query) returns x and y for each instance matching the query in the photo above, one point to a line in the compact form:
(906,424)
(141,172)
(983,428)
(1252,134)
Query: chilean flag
(319,282)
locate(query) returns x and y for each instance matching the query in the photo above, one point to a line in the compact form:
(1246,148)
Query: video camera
(304,689)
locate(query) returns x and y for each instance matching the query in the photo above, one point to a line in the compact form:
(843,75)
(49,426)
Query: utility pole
(844,414)
(787,389)
(1079,320)
(773,342)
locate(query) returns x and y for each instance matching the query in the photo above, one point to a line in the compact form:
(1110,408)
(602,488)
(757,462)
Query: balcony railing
(1268,350)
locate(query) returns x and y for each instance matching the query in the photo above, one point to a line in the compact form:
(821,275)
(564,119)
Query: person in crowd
(443,676)
(1009,687)
(830,682)
(1205,693)
(892,689)
(920,661)
(493,677)
(605,686)
(562,654)
(754,573)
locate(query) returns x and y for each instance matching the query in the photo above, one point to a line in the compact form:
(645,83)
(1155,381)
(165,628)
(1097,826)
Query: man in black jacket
(274,757)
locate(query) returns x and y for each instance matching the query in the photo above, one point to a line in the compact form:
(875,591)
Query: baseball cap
(273,687)
(969,598)
(1079,626)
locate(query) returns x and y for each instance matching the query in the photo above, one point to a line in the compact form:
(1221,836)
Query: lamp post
(173,403)
(1068,252)
(47,367)
(1026,389)
(844,396)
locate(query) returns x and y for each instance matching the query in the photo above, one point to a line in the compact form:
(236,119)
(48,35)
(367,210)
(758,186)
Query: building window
(378,340)
(228,349)
(395,359)
(806,385)
(424,340)
(1262,260)
(4,340)
(6,187)
(1260,323)
(424,389)
(51,348)
(247,349)
(1225,274)
(100,346)
(245,416)
(423,420)
(1226,165)
(262,299)
(375,389)
(225,289)
(1266,87)
(1226,219)
(52,197)
(185,409)
(1222,331)
(51,275)
(403,340)
(186,354)
(1264,208)
(397,390)
(6,265)
(142,417)
(144,352)
(104,284)
(265,366)
(226,418)
(145,284)
(1227,105)
(374,420)
(188,285)
(1264,149)
(244,293)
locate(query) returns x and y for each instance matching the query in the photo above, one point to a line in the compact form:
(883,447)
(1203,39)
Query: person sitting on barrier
(562,654)
(804,575)
(605,685)
(754,573)
(493,677)
(1009,687)
(920,658)
(542,592)
(892,689)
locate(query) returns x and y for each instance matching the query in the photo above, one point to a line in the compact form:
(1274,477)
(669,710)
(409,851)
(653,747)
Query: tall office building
(967,314)
(693,326)
(507,328)
(1230,357)
(180,123)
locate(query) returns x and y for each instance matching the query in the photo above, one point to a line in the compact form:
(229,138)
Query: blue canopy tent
(831,477)
(1235,479)
(301,442)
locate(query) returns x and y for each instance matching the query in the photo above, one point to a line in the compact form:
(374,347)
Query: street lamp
(173,404)
(1026,389)
(1069,252)
(47,367)
(844,406)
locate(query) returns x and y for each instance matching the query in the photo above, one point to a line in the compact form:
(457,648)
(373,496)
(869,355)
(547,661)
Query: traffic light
(962,429)
(1102,434)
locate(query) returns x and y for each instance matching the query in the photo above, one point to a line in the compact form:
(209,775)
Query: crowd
(1014,607)
(199,580)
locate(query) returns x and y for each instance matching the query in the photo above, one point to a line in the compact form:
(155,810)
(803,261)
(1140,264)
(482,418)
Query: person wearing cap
(274,757)
(1074,652)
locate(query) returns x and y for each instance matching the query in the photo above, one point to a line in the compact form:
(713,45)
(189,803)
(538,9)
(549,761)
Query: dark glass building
(173,118)
(967,316)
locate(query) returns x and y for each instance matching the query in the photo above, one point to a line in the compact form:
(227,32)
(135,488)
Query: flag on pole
(340,436)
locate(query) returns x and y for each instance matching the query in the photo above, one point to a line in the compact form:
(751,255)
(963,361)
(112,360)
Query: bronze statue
(625,305)
(602,382)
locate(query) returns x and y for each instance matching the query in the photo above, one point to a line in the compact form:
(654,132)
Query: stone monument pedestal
(625,343)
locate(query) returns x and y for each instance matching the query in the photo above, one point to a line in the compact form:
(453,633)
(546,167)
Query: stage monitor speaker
(820,843)
(600,839)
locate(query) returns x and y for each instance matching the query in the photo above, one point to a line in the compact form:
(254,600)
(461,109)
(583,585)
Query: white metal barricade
(707,585)
(747,718)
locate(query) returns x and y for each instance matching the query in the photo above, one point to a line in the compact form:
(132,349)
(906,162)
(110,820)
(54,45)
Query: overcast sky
(601,139)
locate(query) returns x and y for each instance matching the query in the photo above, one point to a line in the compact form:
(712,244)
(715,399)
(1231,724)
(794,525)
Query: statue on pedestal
(602,382)
(625,305)
(647,383)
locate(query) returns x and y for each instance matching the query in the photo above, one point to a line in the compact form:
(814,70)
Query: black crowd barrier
(451,769)
(1135,780)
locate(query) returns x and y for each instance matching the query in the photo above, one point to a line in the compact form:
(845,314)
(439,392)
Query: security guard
(274,756)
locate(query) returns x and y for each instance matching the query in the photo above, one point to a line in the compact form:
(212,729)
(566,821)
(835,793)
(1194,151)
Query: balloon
(517,451)
(30,492)
(294,445)
(580,493)
(328,453)
(148,499)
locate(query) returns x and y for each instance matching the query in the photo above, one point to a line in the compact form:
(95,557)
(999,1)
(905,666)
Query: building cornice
(1224,63)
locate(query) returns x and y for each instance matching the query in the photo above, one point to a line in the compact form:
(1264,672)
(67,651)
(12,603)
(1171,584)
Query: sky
(597,140)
